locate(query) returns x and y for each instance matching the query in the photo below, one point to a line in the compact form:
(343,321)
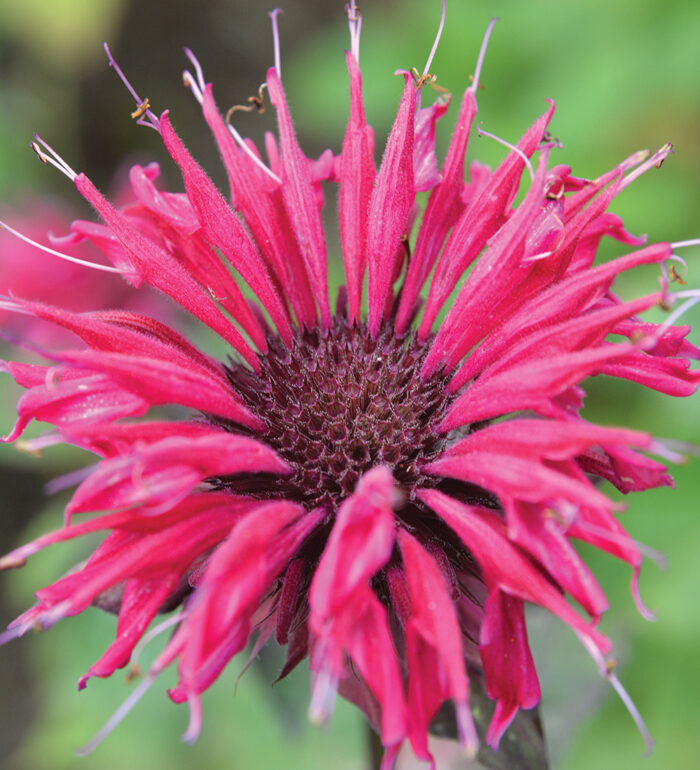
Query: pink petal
(300,198)
(510,671)
(390,206)
(357,174)
(163,272)
(222,229)
(503,565)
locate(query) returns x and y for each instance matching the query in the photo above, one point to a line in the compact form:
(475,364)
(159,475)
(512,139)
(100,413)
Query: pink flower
(380,492)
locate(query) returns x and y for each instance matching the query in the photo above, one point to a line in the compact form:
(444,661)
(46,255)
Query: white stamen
(683,446)
(659,449)
(190,83)
(605,668)
(466,730)
(526,160)
(154,632)
(197,68)
(323,697)
(276,40)
(634,712)
(35,445)
(194,728)
(134,697)
(537,257)
(482,54)
(8,304)
(251,154)
(433,50)
(54,158)
(634,159)
(10,634)
(68,479)
(682,244)
(655,160)
(355,25)
(152,121)
(678,312)
(618,538)
(48,250)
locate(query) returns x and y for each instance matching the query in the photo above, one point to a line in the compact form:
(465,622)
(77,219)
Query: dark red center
(338,404)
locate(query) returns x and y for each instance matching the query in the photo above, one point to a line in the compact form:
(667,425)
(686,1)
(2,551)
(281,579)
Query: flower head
(379,490)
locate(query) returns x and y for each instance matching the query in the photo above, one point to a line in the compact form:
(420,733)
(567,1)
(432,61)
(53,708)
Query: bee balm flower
(379,491)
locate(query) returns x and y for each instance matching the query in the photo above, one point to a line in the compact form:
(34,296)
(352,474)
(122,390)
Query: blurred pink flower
(379,493)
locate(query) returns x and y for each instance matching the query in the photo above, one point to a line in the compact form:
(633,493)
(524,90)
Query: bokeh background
(625,75)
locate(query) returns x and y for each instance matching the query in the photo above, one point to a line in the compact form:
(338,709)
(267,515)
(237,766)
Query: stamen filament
(526,160)
(482,55)
(683,244)
(190,83)
(679,311)
(606,670)
(154,632)
(68,480)
(54,158)
(355,26)
(655,160)
(194,728)
(197,68)
(433,50)
(241,143)
(134,697)
(48,250)
(276,40)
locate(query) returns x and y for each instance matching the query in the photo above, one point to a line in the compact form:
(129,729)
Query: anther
(421,80)
(141,109)
(675,275)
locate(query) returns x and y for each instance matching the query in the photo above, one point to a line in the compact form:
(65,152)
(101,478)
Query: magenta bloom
(379,491)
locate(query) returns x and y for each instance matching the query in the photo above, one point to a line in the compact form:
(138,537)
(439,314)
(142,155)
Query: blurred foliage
(624,74)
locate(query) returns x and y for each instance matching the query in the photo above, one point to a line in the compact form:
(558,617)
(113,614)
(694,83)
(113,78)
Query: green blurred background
(625,75)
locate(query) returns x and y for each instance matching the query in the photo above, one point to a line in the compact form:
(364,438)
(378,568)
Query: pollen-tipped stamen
(53,158)
(152,121)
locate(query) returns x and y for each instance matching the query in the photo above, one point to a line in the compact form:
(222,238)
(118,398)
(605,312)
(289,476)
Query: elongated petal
(300,199)
(221,227)
(508,665)
(390,206)
(357,175)
(163,272)
(504,566)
